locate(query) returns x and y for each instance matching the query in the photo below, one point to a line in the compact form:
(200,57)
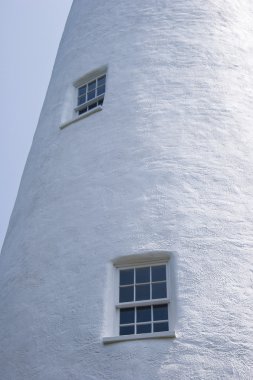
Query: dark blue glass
(93,105)
(83,110)
(162,326)
(127,316)
(142,292)
(126,330)
(144,314)
(82,90)
(92,85)
(100,90)
(91,95)
(160,312)
(126,277)
(82,99)
(159,273)
(142,329)
(159,290)
(142,275)
(101,80)
(126,294)
(100,102)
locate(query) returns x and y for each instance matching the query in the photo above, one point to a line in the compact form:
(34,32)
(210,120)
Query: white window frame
(139,261)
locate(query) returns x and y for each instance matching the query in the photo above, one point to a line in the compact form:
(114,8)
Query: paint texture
(166,165)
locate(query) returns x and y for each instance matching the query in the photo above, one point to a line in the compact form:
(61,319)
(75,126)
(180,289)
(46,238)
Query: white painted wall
(167,165)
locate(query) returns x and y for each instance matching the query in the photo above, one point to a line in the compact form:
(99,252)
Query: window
(91,94)
(84,97)
(146,289)
(143,298)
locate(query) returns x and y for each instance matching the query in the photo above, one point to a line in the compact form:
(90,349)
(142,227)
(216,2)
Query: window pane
(126,294)
(100,102)
(81,100)
(93,105)
(144,314)
(83,110)
(82,90)
(127,316)
(91,95)
(101,80)
(126,330)
(160,312)
(142,329)
(126,277)
(142,275)
(92,85)
(159,273)
(100,90)
(142,292)
(159,290)
(164,326)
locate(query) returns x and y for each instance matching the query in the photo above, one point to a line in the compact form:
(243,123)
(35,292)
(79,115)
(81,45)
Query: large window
(140,302)
(145,288)
(91,94)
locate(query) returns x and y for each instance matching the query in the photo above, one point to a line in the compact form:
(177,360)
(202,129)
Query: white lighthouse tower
(129,248)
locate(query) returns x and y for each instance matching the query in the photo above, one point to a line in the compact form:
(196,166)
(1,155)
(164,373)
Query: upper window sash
(91,90)
(143,284)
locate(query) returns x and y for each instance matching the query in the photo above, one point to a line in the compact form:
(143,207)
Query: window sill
(123,338)
(83,116)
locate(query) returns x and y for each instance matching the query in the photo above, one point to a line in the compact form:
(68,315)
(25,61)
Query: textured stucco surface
(167,165)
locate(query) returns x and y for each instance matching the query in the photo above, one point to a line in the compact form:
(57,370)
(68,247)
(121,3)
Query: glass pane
(159,290)
(100,102)
(160,312)
(142,329)
(144,314)
(127,316)
(126,294)
(159,273)
(163,326)
(81,100)
(126,277)
(91,95)
(82,90)
(83,110)
(126,330)
(100,90)
(142,275)
(93,105)
(101,80)
(92,85)
(142,292)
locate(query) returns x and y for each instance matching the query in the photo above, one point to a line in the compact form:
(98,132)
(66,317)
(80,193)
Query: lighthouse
(129,248)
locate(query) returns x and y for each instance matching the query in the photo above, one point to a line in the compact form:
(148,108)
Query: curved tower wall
(166,165)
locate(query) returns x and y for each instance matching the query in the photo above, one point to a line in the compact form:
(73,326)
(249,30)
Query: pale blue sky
(30,32)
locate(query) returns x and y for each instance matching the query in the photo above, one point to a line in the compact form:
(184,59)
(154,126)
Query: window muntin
(91,94)
(145,289)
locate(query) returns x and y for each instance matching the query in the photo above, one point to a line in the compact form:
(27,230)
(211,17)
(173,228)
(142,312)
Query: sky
(30,32)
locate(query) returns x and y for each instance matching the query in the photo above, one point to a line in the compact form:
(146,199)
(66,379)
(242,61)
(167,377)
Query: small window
(87,96)
(143,305)
(91,94)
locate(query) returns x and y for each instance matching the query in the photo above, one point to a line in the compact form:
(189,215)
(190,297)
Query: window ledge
(83,116)
(123,338)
